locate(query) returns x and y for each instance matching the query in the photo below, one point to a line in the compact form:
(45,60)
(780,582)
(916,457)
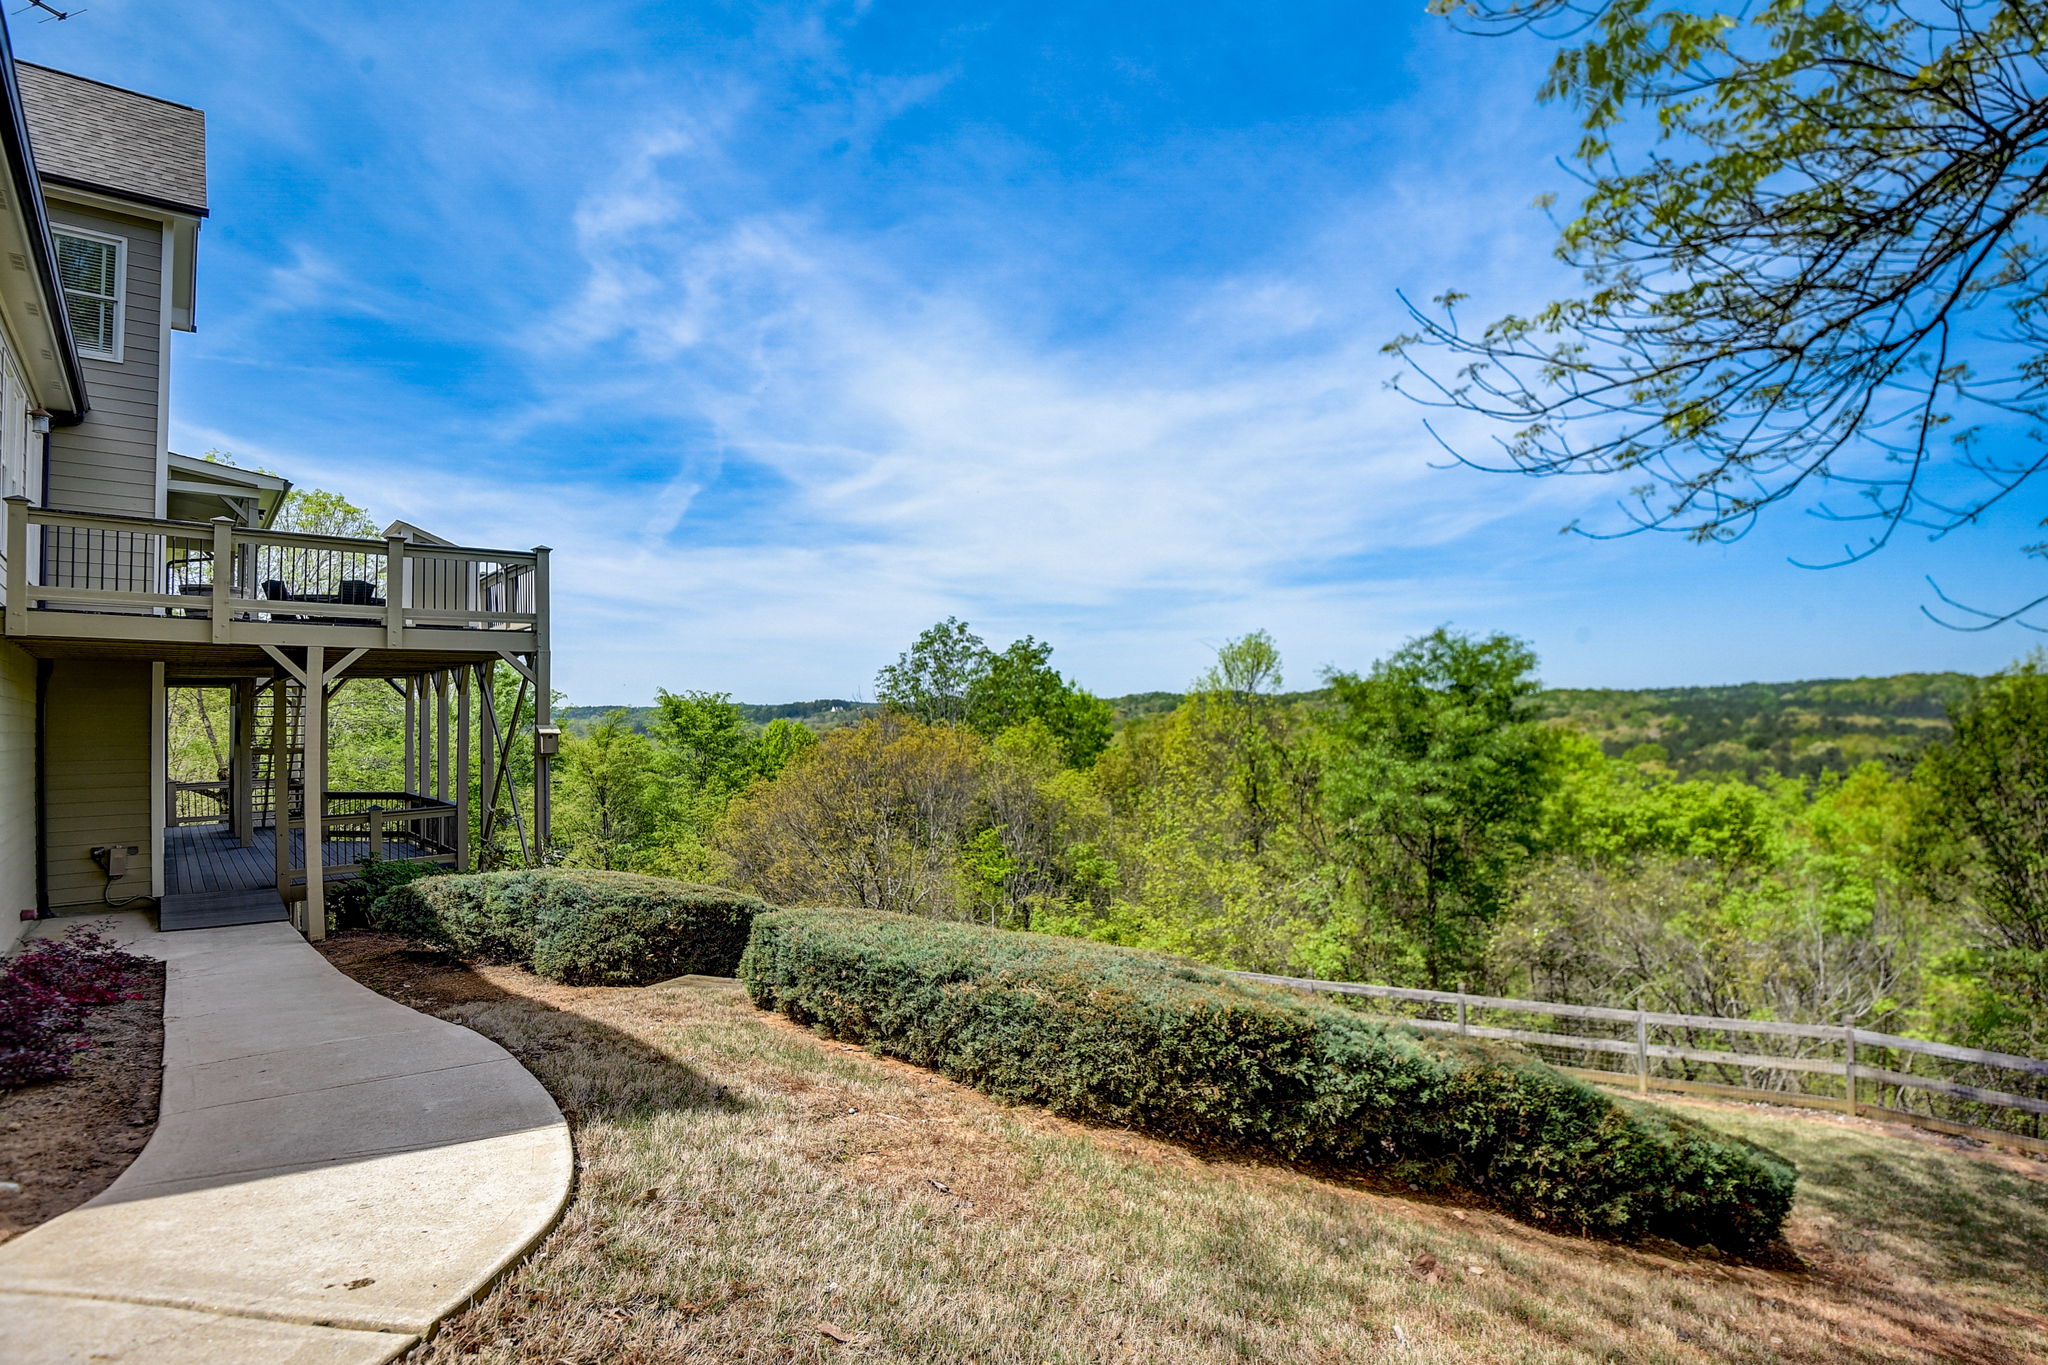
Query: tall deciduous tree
(1811,240)
(1435,789)
(1985,844)
(930,679)
(1019,686)
(950,677)
(607,785)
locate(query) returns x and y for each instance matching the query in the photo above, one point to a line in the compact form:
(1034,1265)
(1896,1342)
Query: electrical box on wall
(113,858)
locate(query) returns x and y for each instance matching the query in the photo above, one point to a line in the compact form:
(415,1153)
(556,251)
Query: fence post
(1849,1064)
(1461,1007)
(1642,1054)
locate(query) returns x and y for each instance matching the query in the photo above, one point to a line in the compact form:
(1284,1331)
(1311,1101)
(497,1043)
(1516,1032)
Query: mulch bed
(62,1142)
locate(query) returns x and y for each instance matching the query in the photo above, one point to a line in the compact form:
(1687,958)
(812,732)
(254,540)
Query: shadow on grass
(596,1072)
(592,1070)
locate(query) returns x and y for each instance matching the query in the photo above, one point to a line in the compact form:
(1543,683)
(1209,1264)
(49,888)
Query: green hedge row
(1162,1045)
(585,928)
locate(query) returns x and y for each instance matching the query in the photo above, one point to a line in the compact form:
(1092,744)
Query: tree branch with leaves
(1810,243)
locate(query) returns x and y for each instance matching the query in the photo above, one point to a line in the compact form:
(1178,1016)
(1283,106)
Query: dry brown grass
(745,1186)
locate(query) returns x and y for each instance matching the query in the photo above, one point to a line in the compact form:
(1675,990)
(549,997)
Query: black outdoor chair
(277,590)
(357,592)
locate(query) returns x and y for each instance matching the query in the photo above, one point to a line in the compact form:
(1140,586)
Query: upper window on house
(90,268)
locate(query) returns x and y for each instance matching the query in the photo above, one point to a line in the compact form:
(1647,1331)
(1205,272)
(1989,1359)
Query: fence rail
(1997,1097)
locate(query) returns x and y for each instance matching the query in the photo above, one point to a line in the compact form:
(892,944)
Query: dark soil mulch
(64,1141)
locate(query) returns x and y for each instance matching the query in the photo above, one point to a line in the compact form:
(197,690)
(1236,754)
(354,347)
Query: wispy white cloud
(783,382)
(1235,455)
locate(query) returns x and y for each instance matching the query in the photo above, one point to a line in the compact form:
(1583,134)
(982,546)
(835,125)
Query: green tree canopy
(1811,242)
(1435,789)
(1984,838)
(929,681)
(950,677)
(605,814)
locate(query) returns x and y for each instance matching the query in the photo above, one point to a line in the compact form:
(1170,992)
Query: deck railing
(199,803)
(377,826)
(136,577)
(1993,1096)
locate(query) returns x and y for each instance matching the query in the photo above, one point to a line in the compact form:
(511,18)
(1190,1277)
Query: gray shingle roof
(113,140)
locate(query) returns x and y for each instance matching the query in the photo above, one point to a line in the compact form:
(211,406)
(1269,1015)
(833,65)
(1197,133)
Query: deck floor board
(210,858)
(210,879)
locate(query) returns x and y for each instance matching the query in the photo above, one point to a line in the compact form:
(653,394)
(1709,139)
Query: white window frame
(120,245)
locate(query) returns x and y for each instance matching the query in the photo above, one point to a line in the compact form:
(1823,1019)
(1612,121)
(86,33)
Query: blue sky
(793,329)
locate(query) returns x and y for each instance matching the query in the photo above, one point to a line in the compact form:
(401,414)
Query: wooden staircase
(262,761)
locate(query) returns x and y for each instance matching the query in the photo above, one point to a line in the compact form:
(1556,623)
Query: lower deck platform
(211,880)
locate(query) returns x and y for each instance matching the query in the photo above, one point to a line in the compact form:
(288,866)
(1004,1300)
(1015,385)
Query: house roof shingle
(101,137)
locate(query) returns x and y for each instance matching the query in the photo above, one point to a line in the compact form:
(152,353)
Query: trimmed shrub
(1163,1045)
(582,927)
(349,900)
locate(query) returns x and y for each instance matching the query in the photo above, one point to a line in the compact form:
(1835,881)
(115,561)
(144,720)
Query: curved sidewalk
(331,1174)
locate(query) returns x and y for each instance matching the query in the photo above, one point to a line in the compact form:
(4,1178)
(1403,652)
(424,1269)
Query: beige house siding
(111,462)
(17,791)
(97,732)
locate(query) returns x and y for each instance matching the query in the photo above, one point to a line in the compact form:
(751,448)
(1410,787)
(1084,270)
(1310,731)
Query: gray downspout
(42,741)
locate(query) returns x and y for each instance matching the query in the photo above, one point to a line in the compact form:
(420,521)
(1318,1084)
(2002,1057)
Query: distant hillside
(1802,727)
(1827,725)
(824,714)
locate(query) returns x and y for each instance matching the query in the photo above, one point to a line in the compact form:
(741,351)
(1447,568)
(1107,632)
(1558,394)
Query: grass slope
(745,1186)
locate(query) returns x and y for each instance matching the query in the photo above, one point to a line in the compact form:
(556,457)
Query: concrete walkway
(331,1174)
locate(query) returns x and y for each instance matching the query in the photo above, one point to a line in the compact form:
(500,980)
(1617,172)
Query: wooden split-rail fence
(1993,1097)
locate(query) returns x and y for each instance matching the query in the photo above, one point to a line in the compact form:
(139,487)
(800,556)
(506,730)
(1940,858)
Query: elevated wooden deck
(76,580)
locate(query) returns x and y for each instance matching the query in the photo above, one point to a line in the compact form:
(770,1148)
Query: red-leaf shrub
(47,990)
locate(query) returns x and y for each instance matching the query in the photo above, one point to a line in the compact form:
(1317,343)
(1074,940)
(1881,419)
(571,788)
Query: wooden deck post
(394,592)
(462,726)
(405,764)
(281,784)
(441,755)
(17,565)
(315,743)
(487,761)
(543,706)
(223,575)
(423,746)
(242,769)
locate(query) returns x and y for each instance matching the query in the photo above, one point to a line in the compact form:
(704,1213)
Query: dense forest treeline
(1847,849)
(1745,729)
(1872,849)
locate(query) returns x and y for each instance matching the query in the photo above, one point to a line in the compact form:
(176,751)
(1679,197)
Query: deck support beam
(313,676)
(242,762)
(410,768)
(487,772)
(281,785)
(314,919)
(462,724)
(441,721)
